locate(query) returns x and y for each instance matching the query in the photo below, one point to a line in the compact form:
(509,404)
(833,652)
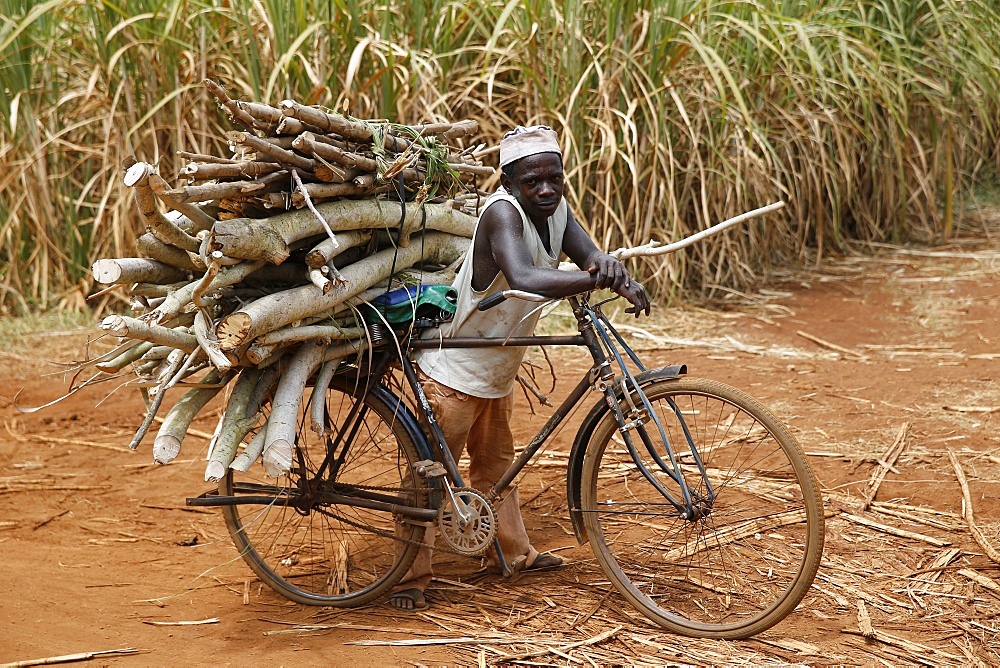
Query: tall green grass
(871,118)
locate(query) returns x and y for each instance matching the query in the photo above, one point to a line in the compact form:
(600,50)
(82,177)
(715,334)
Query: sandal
(409,600)
(543,562)
(546,562)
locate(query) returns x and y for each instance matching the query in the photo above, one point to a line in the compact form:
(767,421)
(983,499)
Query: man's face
(537,184)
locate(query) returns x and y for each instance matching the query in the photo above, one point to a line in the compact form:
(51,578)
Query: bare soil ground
(99,551)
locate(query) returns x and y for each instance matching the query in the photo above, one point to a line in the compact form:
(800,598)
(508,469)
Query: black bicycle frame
(598,335)
(594,328)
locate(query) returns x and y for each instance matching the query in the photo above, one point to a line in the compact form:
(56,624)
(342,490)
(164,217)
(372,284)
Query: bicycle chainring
(477,534)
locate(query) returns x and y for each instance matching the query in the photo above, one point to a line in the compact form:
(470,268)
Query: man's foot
(409,600)
(546,562)
(543,562)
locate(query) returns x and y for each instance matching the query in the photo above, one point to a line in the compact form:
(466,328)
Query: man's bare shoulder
(501,215)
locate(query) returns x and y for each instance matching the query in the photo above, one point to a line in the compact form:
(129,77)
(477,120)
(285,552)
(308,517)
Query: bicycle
(699,505)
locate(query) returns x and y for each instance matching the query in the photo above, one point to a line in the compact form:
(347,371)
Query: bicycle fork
(639,414)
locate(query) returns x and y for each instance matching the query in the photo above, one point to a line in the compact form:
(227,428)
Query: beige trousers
(483,427)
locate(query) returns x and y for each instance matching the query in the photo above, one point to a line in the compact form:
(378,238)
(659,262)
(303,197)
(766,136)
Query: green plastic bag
(402,305)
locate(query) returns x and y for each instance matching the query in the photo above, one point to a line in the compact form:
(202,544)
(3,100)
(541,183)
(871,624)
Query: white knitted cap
(524,141)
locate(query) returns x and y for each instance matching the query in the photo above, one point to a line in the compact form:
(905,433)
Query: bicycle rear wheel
(750,558)
(301,537)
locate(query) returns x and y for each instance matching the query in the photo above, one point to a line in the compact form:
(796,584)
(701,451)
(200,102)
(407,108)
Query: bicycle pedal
(430,469)
(515,568)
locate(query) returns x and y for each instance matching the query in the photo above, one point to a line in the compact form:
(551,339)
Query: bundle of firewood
(250,273)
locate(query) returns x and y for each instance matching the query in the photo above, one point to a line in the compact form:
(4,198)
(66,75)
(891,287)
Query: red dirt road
(99,551)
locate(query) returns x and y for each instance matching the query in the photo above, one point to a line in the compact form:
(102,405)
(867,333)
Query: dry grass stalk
(967,511)
(937,565)
(895,531)
(11,428)
(735,532)
(71,658)
(987,583)
(923,653)
(947,524)
(601,637)
(885,464)
(831,346)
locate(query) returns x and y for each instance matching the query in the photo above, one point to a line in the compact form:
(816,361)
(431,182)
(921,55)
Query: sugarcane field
(241,246)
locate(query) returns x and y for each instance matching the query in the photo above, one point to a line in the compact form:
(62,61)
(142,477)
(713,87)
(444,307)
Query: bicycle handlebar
(496,298)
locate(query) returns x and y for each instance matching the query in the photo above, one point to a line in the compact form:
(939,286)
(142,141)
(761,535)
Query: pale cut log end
(166,448)
(278,458)
(115,324)
(106,271)
(232,330)
(215,470)
(137,173)
(258,352)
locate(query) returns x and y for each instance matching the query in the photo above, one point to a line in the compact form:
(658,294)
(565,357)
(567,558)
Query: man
(522,231)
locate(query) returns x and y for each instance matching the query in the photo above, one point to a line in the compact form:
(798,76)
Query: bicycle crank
(467,522)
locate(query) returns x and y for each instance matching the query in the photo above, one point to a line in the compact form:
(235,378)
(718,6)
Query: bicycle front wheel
(302,534)
(751,552)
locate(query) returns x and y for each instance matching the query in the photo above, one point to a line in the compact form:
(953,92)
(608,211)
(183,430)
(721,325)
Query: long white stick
(655,247)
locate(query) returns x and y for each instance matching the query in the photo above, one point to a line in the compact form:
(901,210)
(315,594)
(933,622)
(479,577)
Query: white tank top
(490,373)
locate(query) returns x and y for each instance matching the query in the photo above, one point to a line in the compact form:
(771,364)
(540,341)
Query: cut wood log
(228,189)
(271,150)
(123,359)
(156,395)
(237,421)
(181,296)
(335,123)
(283,422)
(236,113)
(328,249)
(269,239)
(307,143)
(136,270)
(137,177)
(132,328)
(196,218)
(240,170)
(205,334)
(657,248)
(273,311)
(323,191)
(167,444)
(151,247)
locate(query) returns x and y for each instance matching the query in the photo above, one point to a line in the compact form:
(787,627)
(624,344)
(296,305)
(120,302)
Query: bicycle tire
(750,560)
(327,554)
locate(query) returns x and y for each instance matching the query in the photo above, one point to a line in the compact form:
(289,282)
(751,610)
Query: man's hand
(609,273)
(636,294)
